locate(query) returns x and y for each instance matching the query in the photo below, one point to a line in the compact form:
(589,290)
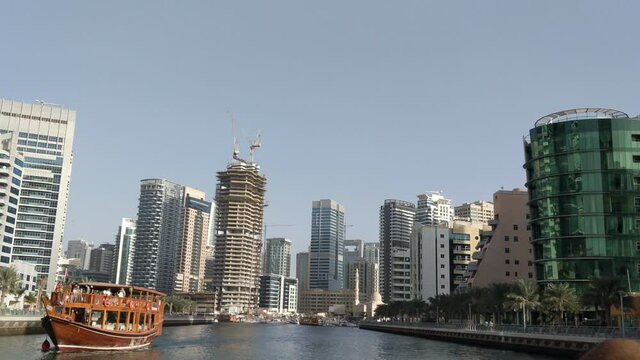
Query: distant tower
(238,241)
(434,208)
(123,256)
(277,257)
(327,245)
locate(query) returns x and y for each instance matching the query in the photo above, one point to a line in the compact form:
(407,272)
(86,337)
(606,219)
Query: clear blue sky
(358,101)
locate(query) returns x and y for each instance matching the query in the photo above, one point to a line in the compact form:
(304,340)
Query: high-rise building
(278,293)
(81,250)
(45,139)
(11,163)
(238,242)
(326,258)
(396,223)
(463,239)
(434,208)
(584,196)
(430,261)
(277,257)
(372,252)
(157,234)
(302,270)
(368,276)
(477,211)
(353,251)
(102,259)
(504,254)
(192,247)
(124,248)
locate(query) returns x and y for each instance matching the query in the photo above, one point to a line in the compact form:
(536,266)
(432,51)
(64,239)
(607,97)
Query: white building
(477,211)
(430,261)
(124,250)
(434,208)
(28,280)
(45,139)
(11,163)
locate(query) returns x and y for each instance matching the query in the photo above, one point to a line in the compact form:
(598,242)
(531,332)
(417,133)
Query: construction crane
(255,144)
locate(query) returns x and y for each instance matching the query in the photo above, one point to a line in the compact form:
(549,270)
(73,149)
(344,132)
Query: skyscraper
(277,257)
(353,251)
(157,234)
(372,252)
(302,270)
(11,163)
(79,249)
(238,242)
(582,175)
(433,208)
(124,248)
(102,259)
(327,245)
(192,247)
(45,139)
(396,223)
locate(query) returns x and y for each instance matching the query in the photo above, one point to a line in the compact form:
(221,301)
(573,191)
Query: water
(257,341)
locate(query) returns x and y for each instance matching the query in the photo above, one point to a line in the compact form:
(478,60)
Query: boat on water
(310,320)
(103,316)
(228,318)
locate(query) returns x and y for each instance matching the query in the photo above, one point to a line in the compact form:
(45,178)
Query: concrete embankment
(556,345)
(20,325)
(24,325)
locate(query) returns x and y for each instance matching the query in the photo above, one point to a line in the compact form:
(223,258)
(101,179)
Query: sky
(358,101)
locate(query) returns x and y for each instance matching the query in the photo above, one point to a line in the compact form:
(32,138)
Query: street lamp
(621,294)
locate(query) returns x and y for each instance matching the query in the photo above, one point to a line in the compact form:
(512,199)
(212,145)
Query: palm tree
(560,298)
(30,299)
(9,282)
(382,311)
(524,297)
(602,293)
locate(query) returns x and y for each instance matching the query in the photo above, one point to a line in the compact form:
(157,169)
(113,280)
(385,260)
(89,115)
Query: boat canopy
(129,288)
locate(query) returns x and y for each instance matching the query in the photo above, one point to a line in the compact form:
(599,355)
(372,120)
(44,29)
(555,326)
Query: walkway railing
(583,331)
(14,312)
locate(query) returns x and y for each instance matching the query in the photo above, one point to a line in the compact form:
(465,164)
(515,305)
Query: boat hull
(71,336)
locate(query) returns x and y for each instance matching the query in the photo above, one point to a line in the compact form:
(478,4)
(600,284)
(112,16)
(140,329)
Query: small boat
(103,316)
(228,318)
(310,320)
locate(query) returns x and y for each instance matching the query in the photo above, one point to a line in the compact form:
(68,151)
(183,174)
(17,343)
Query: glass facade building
(583,179)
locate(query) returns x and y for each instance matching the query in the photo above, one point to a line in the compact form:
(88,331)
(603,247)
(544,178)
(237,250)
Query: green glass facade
(583,177)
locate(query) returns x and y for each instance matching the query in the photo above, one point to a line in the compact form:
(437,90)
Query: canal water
(260,341)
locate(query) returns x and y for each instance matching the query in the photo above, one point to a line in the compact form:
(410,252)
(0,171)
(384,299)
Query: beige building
(504,254)
(192,249)
(238,241)
(368,276)
(477,211)
(464,237)
(316,301)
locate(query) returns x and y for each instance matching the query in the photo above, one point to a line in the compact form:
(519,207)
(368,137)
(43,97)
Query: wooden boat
(102,316)
(310,320)
(228,318)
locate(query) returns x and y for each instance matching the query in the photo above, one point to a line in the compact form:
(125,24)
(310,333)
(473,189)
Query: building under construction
(238,242)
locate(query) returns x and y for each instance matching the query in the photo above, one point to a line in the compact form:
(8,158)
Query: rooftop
(581,114)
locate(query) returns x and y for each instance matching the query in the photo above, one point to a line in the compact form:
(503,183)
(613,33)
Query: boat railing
(107,301)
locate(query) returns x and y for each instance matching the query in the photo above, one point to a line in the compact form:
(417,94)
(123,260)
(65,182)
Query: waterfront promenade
(564,341)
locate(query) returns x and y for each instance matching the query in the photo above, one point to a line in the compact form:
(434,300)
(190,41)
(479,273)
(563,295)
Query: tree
(382,311)
(560,298)
(9,282)
(524,297)
(602,293)
(30,299)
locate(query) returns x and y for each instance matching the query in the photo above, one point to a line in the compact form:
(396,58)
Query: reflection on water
(247,341)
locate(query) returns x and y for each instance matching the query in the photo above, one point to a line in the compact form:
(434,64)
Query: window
(507,261)
(6,249)
(442,236)
(516,273)
(530,275)
(442,266)
(507,250)
(515,239)
(507,273)
(506,238)
(636,203)
(441,276)
(4,259)
(441,286)
(442,246)
(517,262)
(515,227)
(528,216)
(17,171)
(635,137)
(636,159)
(529,250)
(8,239)
(530,263)
(442,256)
(528,227)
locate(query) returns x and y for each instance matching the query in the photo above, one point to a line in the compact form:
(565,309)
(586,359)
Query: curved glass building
(583,177)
